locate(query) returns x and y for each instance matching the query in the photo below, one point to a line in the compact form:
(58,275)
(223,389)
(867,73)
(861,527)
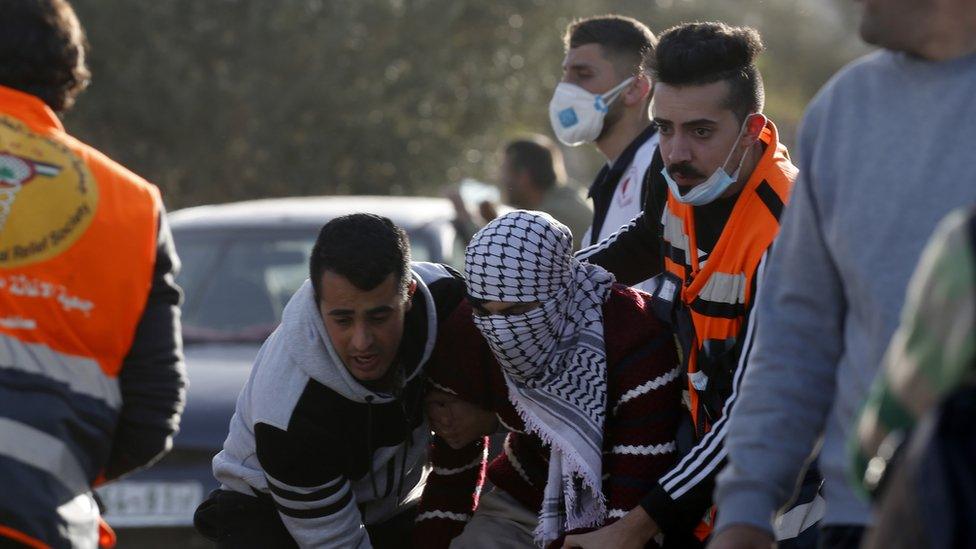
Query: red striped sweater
(643,410)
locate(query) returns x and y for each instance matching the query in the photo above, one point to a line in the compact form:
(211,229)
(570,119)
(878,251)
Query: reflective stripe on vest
(43,451)
(82,375)
(725,288)
(717,294)
(674,234)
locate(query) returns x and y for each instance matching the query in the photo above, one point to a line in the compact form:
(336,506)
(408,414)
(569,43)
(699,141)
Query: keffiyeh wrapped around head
(553,356)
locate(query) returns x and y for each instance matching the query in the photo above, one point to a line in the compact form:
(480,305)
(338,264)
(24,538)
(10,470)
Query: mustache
(684,169)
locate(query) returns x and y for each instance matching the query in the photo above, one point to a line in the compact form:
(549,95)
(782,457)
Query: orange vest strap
(717,295)
(23,538)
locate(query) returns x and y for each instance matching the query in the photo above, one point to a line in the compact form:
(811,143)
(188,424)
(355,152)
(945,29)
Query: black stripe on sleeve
(770,199)
(312,496)
(317,512)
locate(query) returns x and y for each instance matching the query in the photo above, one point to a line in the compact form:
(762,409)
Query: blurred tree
(218,100)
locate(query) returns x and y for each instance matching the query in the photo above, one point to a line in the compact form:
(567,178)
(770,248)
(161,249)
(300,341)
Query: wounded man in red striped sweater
(579,372)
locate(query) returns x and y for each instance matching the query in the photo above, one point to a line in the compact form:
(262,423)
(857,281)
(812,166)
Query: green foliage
(218,100)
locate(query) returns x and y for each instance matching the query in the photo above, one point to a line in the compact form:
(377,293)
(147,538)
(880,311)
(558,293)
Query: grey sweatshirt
(886,150)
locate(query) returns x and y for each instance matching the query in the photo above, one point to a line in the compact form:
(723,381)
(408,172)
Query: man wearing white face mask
(603,98)
(711,216)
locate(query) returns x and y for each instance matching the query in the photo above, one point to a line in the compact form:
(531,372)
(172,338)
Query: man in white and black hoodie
(328,444)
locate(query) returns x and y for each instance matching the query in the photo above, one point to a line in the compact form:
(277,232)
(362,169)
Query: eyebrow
(699,122)
(350,312)
(689,124)
(578,66)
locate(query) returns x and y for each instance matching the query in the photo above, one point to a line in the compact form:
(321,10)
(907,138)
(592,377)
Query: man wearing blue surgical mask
(603,98)
(711,215)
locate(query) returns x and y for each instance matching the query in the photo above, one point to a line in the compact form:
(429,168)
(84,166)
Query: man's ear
(638,90)
(754,127)
(411,289)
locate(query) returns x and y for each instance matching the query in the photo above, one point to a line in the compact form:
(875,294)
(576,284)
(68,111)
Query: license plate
(150,503)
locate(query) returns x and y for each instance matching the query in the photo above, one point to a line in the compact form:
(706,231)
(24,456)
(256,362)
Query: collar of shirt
(30,109)
(610,174)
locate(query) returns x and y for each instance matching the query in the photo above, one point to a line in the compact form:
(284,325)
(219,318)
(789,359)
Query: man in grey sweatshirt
(887,149)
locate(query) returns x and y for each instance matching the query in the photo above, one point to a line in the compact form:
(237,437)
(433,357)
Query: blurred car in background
(241,262)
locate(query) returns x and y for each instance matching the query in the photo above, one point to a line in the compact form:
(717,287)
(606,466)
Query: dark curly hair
(42,50)
(364,249)
(695,54)
(624,39)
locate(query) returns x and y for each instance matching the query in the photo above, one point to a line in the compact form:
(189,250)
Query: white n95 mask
(577,115)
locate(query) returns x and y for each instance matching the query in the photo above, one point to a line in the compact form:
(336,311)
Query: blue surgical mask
(713,187)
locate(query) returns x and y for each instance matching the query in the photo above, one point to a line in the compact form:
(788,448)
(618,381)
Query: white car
(240,264)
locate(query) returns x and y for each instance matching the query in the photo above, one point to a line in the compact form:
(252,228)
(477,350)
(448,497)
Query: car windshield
(236,283)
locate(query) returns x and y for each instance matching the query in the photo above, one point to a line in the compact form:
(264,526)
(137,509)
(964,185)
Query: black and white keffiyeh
(553,356)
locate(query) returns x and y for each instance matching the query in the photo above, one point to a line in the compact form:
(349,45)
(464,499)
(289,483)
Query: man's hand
(631,532)
(487,210)
(460,210)
(743,536)
(458,421)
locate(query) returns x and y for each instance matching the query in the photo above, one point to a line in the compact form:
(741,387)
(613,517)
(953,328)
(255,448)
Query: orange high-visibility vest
(718,293)
(78,244)
(78,240)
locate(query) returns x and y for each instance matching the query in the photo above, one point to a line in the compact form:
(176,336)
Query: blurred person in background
(603,99)
(712,213)
(886,151)
(533,178)
(920,475)
(585,340)
(92,381)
